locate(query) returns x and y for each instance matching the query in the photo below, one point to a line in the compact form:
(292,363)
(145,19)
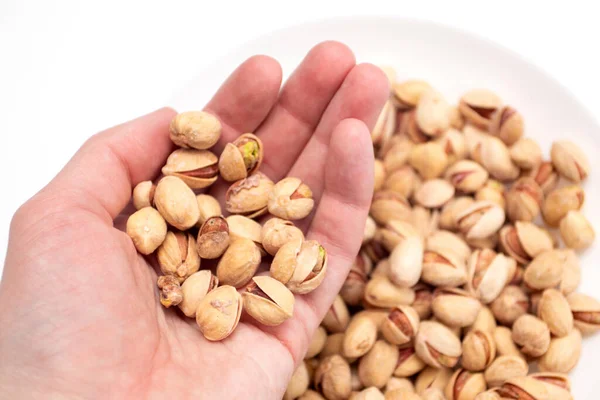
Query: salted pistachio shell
(432,113)
(299,383)
(395,232)
(300,265)
(397,153)
(432,394)
(213,238)
(239,263)
(454,144)
(276,232)
(554,310)
(479,350)
(268,301)
(466,176)
(485,321)
(545,176)
(524,241)
(524,200)
(447,300)
(219,312)
(408,363)
(291,199)
(478,105)
(560,201)
(337,317)
(197,168)
(571,272)
(423,300)
(249,196)
(447,241)
(531,334)
(194,288)
(563,353)
(177,255)
(505,346)
(434,193)
(557,385)
(428,159)
(406,94)
(492,191)
(569,160)
(586,312)
(402,181)
(395,383)
(406,262)
(379,174)
(360,336)
(473,138)
(510,305)
(544,271)
(353,289)
(576,231)
(208,207)
(504,368)
(143,195)
(507,125)
(381,292)
(495,158)
(176,202)
(147,229)
(334,346)
(241,158)
(196,129)
(376,367)
(385,124)
(436,345)
(317,343)
(333,378)
(424,220)
(431,377)
(526,153)
(401,325)
(465,385)
(487,274)
(245,228)
(481,220)
(442,267)
(523,387)
(387,206)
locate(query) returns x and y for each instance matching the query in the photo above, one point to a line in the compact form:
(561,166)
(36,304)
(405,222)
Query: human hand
(79,310)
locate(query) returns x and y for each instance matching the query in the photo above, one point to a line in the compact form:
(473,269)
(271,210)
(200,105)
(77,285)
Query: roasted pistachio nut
(569,160)
(555,311)
(381,292)
(397,155)
(241,158)
(432,113)
(406,262)
(385,125)
(576,231)
(208,207)
(451,209)
(176,202)
(479,350)
(268,301)
(245,228)
(423,300)
(507,124)
(485,321)
(170,291)
(276,232)
(376,367)
(504,368)
(586,312)
(571,272)
(147,229)
(177,255)
(443,268)
(291,199)
(492,191)
(239,263)
(402,181)
(545,176)
(424,220)
(431,377)
(143,195)
(408,363)
(557,385)
(337,317)
(531,334)
(298,384)
(560,201)
(478,106)
(510,305)
(473,138)
(394,232)
(495,157)
(334,345)
(333,378)
(524,200)
(545,271)
(353,290)
(434,193)
(526,153)
(406,94)
(370,393)
(196,129)
(300,265)
(437,346)
(379,174)
(481,220)
(387,206)
(447,241)
(197,168)
(429,159)
(213,238)
(249,196)
(563,353)
(399,384)
(487,274)
(317,343)
(194,288)
(467,176)
(465,385)
(504,343)
(401,325)
(447,300)
(219,312)
(523,387)
(360,336)
(453,142)
(524,241)
(382,268)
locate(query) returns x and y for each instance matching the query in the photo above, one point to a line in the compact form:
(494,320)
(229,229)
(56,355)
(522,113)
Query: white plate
(453,61)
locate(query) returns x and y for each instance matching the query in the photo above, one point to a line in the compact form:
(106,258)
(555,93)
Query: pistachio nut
(333,378)
(432,113)
(423,300)
(147,229)
(406,94)
(299,383)
(447,300)
(208,207)
(487,274)
(397,155)
(524,241)
(219,312)
(560,201)
(437,346)
(399,384)
(408,363)
(143,195)
(544,271)
(557,385)
(563,353)
(478,106)
(586,312)
(545,176)
(370,393)
(555,311)
(428,159)
(507,124)
(442,267)
(385,124)
(535,298)
(515,273)
(377,366)
(196,129)
(576,230)
(311,395)
(370,229)
(380,175)
(291,199)
(430,377)
(381,292)
(424,220)
(492,191)
(213,238)
(388,205)
(481,220)
(434,193)
(465,385)
(504,343)
(456,119)
(510,305)
(491,394)
(453,142)
(451,209)
(268,301)
(360,336)
(402,181)
(526,153)
(504,368)
(337,317)
(531,334)
(407,125)
(395,232)
(569,160)
(571,272)
(177,255)
(241,158)
(406,262)
(485,321)
(523,387)
(334,345)
(317,343)
(176,202)
(249,196)
(353,289)
(467,176)
(401,325)
(445,240)
(194,288)
(479,350)
(245,228)
(300,265)
(524,200)
(170,290)
(473,138)
(495,157)
(239,263)
(197,168)
(432,394)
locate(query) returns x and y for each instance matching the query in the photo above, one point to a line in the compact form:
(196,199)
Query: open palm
(79,310)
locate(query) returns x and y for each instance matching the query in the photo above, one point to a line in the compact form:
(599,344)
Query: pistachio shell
(429,159)
(555,311)
(197,168)
(478,106)
(436,345)
(576,230)
(380,174)
(241,158)
(317,343)
(557,385)
(395,232)
(208,206)
(545,176)
(569,160)
(249,196)
(143,195)
(454,144)
(196,129)
(467,176)
(523,387)
(401,325)
(560,201)
(432,113)
(381,292)
(360,336)
(526,153)
(387,206)
(219,312)
(496,159)
(434,193)
(276,232)
(545,271)
(176,202)
(244,227)
(402,181)
(385,125)
(481,220)
(147,229)
(479,350)
(441,267)
(268,301)
(447,301)
(510,305)
(507,124)
(333,377)
(408,363)
(177,255)
(430,377)
(465,385)
(487,274)
(291,199)
(532,334)
(213,238)
(504,368)
(406,262)
(563,353)
(239,263)
(447,241)
(586,312)
(504,343)
(298,384)
(406,94)
(376,367)
(194,288)
(337,317)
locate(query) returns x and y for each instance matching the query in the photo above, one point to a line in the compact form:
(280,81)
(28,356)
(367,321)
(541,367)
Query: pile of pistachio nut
(462,288)
(185,229)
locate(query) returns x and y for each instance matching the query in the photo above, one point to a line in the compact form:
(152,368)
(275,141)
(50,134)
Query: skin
(79,307)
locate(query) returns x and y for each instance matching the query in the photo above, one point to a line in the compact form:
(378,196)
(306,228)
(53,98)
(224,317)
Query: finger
(301,104)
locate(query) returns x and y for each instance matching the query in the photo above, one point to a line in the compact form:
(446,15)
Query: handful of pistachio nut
(185,229)
(462,280)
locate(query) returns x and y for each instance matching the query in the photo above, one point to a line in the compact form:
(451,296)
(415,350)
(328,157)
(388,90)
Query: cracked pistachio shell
(576,231)
(431,377)
(177,255)
(453,143)
(299,383)
(424,220)
(401,325)
(239,263)
(465,385)
(143,195)
(553,308)
(379,175)
(492,191)
(359,337)
(241,158)
(447,300)
(437,346)
(406,94)
(370,393)
(337,317)
(434,193)
(432,113)
(531,334)
(569,160)
(524,241)
(388,205)
(560,201)
(557,385)
(147,229)
(442,267)
(219,312)
(291,199)
(473,138)
(376,367)
(381,292)
(485,321)
(385,125)
(478,106)
(197,168)
(276,232)
(481,220)
(545,176)
(333,378)
(176,202)
(317,343)
(563,354)
(397,153)
(510,305)
(300,265)
(504,368)
(526,153)
(407,125)
(406,262)
(196,129)
(402,181)
(545,270)
(170,290)
(422,301)
(249,196)
(268,301)
(586,312)
(504,343)
(524,200)
(479,350)
(507,125)
(246,228)
(487,274)
(571,272)
(353,289)
(395,232)
(428,159)
(194,288)
(213,238)
(523,387)
(408,363)
(451,209)
(495,158)
(208,206)
(445,240)
(467,176)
